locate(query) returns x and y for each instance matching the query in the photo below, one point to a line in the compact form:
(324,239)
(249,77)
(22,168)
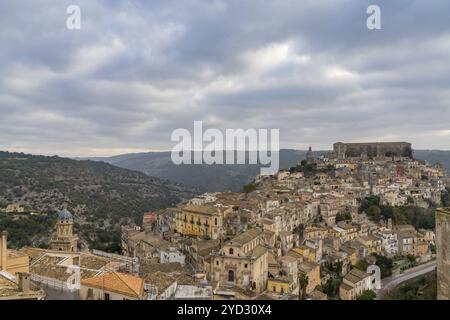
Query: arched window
(215,221)
(231,251)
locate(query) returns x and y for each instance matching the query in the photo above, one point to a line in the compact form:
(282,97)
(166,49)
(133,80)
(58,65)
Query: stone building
(354,284)
(64,239)
(201,221)
(372,149)
(242,261)
(443,253)
(310,158)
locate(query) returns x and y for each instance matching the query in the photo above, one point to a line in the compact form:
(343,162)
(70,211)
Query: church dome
(65,215)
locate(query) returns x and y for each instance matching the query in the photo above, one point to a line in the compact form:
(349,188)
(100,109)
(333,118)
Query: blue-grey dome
(65,215)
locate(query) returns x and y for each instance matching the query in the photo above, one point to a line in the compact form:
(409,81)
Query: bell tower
(64,239)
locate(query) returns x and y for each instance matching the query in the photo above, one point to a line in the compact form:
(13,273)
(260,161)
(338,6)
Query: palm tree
(303,283)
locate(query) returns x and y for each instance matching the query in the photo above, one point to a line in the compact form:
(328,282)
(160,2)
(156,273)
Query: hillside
(205,177)
(223,177)
(100,195)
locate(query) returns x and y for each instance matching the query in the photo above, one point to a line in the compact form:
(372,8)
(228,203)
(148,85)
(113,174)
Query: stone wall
(443,253)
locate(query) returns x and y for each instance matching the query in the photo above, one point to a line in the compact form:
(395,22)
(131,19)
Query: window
(107,296)
(231,251)
(215,221)
(245,266)
(90,293)
(217,263)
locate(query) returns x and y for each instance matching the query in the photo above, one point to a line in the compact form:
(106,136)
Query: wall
(99,294)
(443,253)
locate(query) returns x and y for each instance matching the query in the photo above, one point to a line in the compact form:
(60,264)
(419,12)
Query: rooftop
(193,292)
(161,280)
(245,237)
(118,282)
(10,290)
(356,275)
(205,210)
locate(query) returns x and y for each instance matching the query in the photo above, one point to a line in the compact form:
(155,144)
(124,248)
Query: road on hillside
(393,281)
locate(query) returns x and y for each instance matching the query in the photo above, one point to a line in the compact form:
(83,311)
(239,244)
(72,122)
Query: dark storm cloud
(139,69)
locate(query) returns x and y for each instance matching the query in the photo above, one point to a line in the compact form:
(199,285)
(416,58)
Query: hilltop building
(64,239)
(310,158)
(372,149)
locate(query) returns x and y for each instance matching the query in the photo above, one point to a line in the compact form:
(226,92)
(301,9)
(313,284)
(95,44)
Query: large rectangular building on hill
(372,149)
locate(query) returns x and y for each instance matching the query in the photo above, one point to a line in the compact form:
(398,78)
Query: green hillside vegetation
(27,230)
(418,217)
(101,196)
(422,288)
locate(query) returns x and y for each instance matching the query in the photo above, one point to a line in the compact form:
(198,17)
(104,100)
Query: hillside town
(310,232)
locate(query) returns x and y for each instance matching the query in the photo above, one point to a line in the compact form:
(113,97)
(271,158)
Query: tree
(374,212)
(331,287)
(343,216)
(411,258)
(367,295)
(249,188)
(303,282)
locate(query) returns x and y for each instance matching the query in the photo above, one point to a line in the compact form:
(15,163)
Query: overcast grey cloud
(137,70)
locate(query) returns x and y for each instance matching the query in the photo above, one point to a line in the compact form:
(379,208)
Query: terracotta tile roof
(118,282)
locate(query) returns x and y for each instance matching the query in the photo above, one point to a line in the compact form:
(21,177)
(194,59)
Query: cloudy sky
(137,70)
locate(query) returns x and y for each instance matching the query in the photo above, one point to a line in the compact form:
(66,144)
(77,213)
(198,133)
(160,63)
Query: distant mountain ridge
(226,177)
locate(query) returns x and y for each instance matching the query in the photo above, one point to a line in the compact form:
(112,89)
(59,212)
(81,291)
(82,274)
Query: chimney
(24,282)
(4,249)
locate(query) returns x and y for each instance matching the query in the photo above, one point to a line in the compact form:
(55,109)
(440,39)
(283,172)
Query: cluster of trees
(367,295)
(345,216)
(331,287)
(310,169)
(27,230)
(386,265)
(418,217)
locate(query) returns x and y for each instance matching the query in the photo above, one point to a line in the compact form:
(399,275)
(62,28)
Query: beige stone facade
(242,261)
(443,253)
